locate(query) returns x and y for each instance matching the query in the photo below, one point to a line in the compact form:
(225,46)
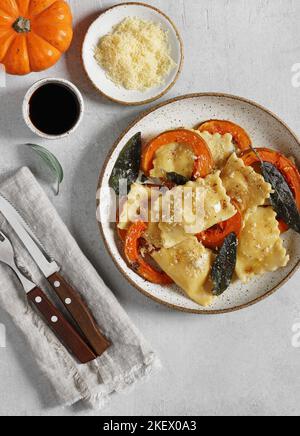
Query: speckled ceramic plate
(266,130)
(103,26)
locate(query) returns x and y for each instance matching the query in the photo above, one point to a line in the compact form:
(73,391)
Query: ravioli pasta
(188,264)
(244,185)
(172,234)
(221,147)
(176,158)
(153,235)
(260,248)
(217,206)
(179,158)
(188,225)
(194,208)
(136,205)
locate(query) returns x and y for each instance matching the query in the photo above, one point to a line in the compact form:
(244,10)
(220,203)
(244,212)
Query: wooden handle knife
(70,298)
(61,327)
(80,313)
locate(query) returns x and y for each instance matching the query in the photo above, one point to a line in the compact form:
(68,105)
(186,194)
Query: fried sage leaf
(144,180)
(176,178)
(128,164)
(224,265)
(282,199)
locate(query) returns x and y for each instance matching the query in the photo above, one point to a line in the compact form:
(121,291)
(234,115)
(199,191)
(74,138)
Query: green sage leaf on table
(282,199)
(224,265)
(176,178)
(51,161)
(128,164)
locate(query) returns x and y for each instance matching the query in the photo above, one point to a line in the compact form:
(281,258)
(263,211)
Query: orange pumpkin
(33,34)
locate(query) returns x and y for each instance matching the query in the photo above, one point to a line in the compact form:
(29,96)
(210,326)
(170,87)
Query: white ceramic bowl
(104,25)
(30,93)
(266,130)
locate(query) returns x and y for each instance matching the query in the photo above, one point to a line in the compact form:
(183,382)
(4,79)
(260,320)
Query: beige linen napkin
(128,360)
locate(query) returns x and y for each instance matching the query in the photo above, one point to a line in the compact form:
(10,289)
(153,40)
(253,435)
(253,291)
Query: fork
(64,331)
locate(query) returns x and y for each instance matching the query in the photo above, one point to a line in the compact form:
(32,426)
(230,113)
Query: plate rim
(143,115)
(169,87)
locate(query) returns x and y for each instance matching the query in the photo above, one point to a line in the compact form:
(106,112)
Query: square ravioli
(172,234)
(174,157)
(188,264)
(260,247)
(193,208)
(244,185)
(153,235)
(221,147)
(136,206)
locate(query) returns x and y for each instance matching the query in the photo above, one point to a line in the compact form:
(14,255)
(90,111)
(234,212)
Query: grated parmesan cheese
(136,55)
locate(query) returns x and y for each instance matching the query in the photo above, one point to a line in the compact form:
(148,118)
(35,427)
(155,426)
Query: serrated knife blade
(47,267)
(69,296)
(53,317)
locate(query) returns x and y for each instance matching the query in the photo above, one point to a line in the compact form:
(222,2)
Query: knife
(70,298)
(54,318)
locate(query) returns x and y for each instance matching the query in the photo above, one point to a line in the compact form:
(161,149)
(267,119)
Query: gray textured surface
(241,363)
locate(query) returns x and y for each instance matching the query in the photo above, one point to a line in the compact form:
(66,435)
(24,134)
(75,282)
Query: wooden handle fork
(80,313)
(61,327)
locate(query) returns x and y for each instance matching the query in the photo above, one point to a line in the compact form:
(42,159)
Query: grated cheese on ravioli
(193,208)
(260,248)
(153,235)
(136,206)
(188,264)
(221,147)
(244,185)
(172,234)
(174,157)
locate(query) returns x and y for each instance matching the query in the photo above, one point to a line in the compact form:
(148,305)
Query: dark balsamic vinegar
(54,109)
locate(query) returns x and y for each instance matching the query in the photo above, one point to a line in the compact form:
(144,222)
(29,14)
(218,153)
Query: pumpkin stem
(22,25)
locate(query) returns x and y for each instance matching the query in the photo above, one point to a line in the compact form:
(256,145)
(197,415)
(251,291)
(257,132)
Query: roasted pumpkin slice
(203,161)
(135,259)
(214,237)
